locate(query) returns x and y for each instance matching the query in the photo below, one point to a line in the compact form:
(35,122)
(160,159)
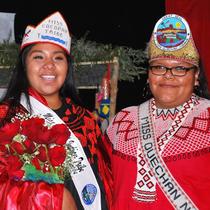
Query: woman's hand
(68,201)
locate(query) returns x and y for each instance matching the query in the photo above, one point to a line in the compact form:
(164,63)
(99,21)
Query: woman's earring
(197,82)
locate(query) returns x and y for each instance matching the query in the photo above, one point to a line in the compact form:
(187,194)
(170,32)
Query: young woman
(48,143)
(159,151)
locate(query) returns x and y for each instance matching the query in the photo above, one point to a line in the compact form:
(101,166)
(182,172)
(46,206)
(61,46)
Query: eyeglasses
(178,71)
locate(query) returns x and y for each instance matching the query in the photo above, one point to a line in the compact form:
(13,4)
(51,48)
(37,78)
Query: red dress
(30,195)
(187,156)
(17,193)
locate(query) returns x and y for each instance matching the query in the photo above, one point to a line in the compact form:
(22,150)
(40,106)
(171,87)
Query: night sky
(104,22)
(116,23)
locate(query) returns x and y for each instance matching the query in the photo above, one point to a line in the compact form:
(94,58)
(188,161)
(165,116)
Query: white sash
(173,191)
(82,173)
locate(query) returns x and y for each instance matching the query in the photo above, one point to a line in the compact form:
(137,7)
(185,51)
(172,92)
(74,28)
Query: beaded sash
(151,167)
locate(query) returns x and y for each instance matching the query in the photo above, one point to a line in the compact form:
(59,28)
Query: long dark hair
(19,84)
(200,90)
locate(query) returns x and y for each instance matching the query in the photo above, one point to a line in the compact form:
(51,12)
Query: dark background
(117,23)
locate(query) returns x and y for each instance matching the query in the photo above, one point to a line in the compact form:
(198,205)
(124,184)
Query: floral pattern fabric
(84,126)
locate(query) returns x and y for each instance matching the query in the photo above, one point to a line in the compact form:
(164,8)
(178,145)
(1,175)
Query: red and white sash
(150,152)
(81,172)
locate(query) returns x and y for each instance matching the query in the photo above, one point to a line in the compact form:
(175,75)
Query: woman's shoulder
(201,109)
(125,115)
(130,110)
(123,129)
(8,111)
(202,103)
(81,112)
(206,101)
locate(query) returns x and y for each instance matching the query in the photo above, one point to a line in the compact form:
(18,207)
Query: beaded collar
(167,113)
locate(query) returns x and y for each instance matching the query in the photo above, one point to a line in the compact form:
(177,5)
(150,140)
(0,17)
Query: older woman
(159,151)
